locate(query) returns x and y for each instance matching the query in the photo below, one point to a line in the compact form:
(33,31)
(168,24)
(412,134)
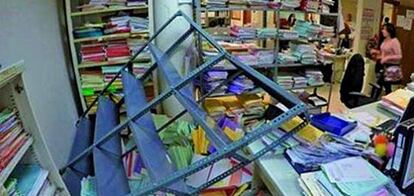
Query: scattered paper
(400,21)
(410,14)
(353,169)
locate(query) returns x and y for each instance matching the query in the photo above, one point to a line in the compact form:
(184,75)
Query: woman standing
(391,56)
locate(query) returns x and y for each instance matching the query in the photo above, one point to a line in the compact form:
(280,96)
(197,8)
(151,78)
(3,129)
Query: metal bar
(151,104)
(255,156)
(168,52)
(222,153)
(179,13)
(286,98)
(179,115)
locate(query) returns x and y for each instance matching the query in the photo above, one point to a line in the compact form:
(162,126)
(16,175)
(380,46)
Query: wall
(408,3)
(30,31)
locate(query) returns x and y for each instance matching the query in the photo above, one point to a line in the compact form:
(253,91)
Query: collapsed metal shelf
(163,174)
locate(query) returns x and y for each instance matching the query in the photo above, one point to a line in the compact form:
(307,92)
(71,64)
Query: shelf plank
(15,160)
(104,63)
(262,9)
(10,72)
(112,37)
(108,10)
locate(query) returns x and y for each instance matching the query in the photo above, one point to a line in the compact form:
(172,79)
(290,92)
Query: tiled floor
(336,106)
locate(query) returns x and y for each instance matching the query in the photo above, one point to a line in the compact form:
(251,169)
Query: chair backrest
(353,79)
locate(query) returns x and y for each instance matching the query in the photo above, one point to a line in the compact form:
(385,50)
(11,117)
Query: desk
(277,173)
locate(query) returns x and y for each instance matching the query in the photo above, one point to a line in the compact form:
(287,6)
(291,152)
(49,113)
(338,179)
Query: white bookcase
(34,151)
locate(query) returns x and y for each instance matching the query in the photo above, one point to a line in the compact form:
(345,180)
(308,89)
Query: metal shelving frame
(179,87)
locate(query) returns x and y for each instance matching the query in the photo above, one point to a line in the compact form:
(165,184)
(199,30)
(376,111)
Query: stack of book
(118,51)
(88,30)
(243,32)
(109,73)
(135,44)
(116,3)
(92,53)
(264,56)
(267,33)
(118,24)
(238,3)
(12,136)
(140,68)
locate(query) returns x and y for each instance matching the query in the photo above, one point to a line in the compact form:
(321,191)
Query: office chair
(352,84)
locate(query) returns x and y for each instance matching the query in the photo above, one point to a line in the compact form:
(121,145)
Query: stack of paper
(240,85)
(92,52)
(258,3)
(307,29)
(315,77)
(118,51)
(299,82)
(349,176)
(94,5)
(286,58)
(288,34)
(267,33)
(91,81)
(325,148)
(140,68)
(214,107)
(118,24)
(243,32)
(109,72)
(88,30)
(290,4)
(138,24)
(231,128)
(325,57)
(264,56)
(328,31)
(309,5)
(399,98)
(285,81)
(136,2)
(117,3)
(237,3)
(305,53)
(213,79)
(326,6)
(30,178)
(214,3)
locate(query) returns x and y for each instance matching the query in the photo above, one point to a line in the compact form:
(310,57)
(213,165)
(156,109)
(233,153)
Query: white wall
(30,31)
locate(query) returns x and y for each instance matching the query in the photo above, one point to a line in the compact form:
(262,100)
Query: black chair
(352,84)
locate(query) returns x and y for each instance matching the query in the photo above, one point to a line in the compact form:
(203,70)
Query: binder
(402,163)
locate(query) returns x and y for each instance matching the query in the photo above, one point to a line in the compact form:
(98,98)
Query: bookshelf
(34,150)
(270,17)
(77,18)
